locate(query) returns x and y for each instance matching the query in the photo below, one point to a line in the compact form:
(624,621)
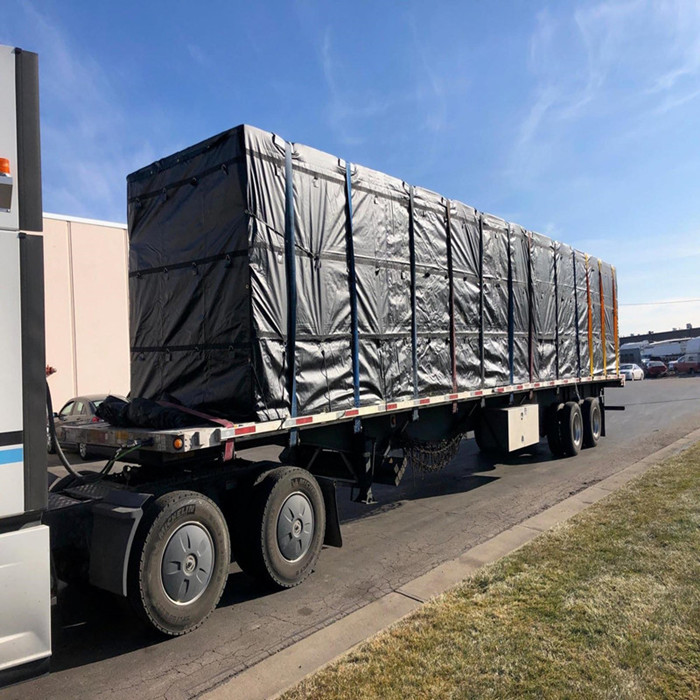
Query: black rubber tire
(571,428)
(145,589)
(83,451)
(553,427)
(592,421)
(259,550)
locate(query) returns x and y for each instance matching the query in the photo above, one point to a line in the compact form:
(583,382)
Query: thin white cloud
(86,140)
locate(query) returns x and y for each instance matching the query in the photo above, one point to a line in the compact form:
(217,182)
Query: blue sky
(576,119)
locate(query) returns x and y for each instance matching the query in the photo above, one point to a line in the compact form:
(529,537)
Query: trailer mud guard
(114,527)
(333,536)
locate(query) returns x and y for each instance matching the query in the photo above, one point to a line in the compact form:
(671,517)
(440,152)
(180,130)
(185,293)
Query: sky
(579,120)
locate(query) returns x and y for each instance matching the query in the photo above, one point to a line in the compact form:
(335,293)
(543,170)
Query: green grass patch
(606,605)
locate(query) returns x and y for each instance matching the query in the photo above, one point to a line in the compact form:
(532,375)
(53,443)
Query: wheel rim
(595,422)
(188,563)
(577,428)
(49,442)
(82,448)
(295,527)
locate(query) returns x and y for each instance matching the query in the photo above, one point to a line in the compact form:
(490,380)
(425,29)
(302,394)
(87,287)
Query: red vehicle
(688,363)
(655,369)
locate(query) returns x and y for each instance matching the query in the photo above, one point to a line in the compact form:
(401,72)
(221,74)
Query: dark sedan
(78,411)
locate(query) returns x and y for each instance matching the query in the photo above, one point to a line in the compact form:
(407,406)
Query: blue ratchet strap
(352,279)
(414,326)
(290,259)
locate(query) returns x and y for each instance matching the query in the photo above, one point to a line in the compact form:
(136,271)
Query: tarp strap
(602,317)
(414,320)
(531,308)
(228,445)
(511,310)
(352,279)
(576,311)
(555,247)
(290,259)
(615,328)
(590,317)
(453,331)
(481,299)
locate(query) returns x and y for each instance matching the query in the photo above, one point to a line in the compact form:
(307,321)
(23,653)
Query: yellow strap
(615,328)
(590,318)
(602,317)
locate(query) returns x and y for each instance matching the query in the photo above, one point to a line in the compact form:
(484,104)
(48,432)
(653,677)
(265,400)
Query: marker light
(4,166)
(178,443)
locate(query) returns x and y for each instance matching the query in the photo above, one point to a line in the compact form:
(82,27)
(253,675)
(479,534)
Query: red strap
(228,444)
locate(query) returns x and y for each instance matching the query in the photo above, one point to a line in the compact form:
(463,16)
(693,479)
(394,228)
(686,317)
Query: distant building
(651,337)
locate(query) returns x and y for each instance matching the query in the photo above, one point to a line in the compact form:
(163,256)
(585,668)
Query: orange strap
(602,317)
(590,317)
(615,328)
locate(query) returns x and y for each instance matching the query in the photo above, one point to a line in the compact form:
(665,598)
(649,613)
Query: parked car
(631,372)
(77,411)
(656,369)
(688,363)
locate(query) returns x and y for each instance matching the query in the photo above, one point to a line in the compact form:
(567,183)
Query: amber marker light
(178,443)
(4,166)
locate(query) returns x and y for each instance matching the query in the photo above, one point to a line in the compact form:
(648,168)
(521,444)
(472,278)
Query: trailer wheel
(592,421)
(571,428)
(285,529)
(179,562)
(553,426)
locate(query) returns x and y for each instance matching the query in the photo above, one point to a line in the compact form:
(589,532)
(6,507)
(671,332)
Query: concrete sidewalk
(281,671)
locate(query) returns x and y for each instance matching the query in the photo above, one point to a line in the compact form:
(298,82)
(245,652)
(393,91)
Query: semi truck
(282,296)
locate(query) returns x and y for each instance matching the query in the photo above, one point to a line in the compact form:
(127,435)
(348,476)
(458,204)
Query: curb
(278,673)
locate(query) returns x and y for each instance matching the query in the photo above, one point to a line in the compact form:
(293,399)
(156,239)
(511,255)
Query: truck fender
(115,521)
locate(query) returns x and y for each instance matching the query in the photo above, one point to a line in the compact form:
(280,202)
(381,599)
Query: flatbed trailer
(457,322)
(358,323)
(121,531)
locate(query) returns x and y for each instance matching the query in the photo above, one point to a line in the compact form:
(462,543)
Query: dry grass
(604,606)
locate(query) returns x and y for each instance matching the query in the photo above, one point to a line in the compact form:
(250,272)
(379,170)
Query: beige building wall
(87,306)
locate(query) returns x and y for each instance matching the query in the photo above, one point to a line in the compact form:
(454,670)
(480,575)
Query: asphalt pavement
(100,651)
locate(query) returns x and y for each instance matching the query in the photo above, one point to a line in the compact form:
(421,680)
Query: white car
(631,372)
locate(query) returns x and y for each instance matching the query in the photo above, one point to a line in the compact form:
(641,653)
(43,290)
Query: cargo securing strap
(290,259)
(590,318)
(228,444)
(352,279)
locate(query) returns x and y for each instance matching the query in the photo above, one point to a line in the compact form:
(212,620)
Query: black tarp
(544,319)
(268,278)
(465,245)
(567,344)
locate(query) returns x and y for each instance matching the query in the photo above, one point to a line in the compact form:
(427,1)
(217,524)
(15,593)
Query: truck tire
(553,426)
(179,562)
(571,428)
(286,524)
(592,421)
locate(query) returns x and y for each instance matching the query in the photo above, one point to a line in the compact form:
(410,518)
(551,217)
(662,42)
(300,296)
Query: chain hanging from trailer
(430,457)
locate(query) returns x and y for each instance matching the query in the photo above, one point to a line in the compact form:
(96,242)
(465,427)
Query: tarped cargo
(269,279)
